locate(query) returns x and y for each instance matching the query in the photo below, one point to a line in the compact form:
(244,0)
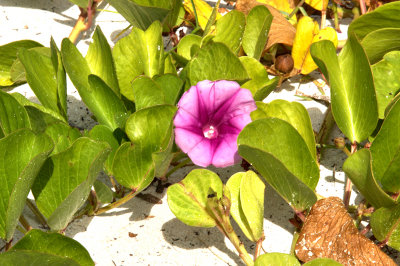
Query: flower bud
(284,63)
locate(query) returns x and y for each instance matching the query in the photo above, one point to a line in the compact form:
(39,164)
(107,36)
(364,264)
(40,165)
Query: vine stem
(177,167)
(117,203)
(25,223)
(37,213)
(349,184)
(8,245)
(296,8)
(84,21)
(259,247)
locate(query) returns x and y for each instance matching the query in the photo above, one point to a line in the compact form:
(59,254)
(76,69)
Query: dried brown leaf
(329,232)
(281,30)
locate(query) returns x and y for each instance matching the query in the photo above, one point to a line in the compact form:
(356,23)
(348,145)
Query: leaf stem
(84,21)
(258,247)
(195,13)
(296,9)
(177,167)
(117,203)
(25,223)
(8,245)
(37,213)
(349,184)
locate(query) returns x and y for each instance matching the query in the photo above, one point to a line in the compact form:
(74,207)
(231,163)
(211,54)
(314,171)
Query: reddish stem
(349,184)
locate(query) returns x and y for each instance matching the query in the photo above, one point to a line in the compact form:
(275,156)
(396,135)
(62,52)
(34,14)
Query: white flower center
(210,132)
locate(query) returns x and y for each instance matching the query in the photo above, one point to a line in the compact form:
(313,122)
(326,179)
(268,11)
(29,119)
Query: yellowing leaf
(318,4)
(282,5)
(203,11)
(308,33)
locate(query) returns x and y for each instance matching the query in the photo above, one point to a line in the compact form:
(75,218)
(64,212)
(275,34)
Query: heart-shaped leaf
(247,203)
(54,244)
(358,169)
(141,52)
(215,61)
(141,14)
(385,151)
(385,16)
(62,135)
(282,157)
(292,112)
(255,34)
(8,55)
(22,154)
(354,104)
(188,46)
(385,225)
(380,42)
(65,180)
(276,259)
(103,192)
(33,258)
(308,33)
(387,80)
(13,115)
(229,30)
(188,199)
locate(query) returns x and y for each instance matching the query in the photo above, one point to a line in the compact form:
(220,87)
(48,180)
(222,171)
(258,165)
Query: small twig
(366,229)
(259,247)
(84,21)
(25,223)
(37,213)
(296,9)
(8,245)
(363,7)
(117,203)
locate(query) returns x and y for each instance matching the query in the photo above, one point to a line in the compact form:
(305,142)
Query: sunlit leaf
(229,30)
(385,225)
(276,259)
(203,11)
(13,115)
(380,42)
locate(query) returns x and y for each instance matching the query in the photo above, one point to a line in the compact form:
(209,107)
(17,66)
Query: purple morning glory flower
(209,119)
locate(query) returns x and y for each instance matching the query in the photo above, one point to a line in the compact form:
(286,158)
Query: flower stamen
(210,132)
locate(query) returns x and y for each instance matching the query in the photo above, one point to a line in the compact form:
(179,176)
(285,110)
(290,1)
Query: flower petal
(202,153)
(186,139)
(226,153)
(189,102)
(184,119)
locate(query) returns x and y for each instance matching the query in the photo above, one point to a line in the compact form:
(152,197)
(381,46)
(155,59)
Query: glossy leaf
(13,116)
(188,199)
(146,93)
(380,42)
(292,112)
(385,151)
(282,157)
(65,180)
(54,244)
(33,258)
(247,203)
(8,55)
(141,14)
(100,61)
(256,32)
(188,46)
(354,104)
(229,30)
(215,61)
(22,154)
(308,33)
(276,259)
(385,225)
(385,16)
(358,169)
(387,80)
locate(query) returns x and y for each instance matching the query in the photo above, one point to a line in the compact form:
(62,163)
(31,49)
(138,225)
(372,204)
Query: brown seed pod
(284,63)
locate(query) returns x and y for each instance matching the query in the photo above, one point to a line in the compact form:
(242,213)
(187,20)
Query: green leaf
(387,80)
(386,16)
(255,35)
(146,93)
(62,135)
(133,166)
(358,169)
(188,46)
(175,16)
(22,154)
(142,13)
(259,84)
(247,203)
(322,262)
(33,258)
(100,61)
(171,86)
(169,67)
(385,225)
(229,30)
(104,133)
(147,57)
(282,157)
(105,104)
(276,259)
(8,55)
(215,61)
(385,151)
(61,78)
(292,112)
(65,180)
(354,104)
(80,3)
(13,116)
(41,76)
(54,244)
(188,199)
(103,192)
(377,43)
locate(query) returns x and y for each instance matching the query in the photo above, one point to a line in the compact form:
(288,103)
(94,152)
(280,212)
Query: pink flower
(209,119)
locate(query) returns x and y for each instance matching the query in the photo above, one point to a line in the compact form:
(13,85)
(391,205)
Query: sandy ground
(141,233)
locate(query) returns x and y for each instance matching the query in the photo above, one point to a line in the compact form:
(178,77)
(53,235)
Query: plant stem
(258,247)
(37,213)
(363,7)
(116,203)
(8,245)
(349,185)
(195,14)
(177,167)
(21,229)
(296,9)
(25,223)
(84,21)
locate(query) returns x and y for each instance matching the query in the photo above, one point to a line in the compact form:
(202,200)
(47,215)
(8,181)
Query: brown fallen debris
(329,232)
(132,234)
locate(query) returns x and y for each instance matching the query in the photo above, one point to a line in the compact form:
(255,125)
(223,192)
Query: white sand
(161,239)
